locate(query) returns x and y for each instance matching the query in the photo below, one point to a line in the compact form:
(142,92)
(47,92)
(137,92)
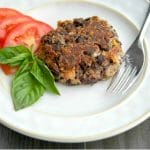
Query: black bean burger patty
(81,51)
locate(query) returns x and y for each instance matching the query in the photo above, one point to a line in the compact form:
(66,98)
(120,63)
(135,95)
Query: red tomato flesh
(8,70)
(9,23)
(8,12)
(27,34)
(1,43)
(17,29)
(4,13)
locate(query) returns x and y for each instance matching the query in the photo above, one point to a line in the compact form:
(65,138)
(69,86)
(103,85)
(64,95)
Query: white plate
(81,113)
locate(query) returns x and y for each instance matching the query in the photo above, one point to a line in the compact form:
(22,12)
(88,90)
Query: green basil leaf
(40,62)
(31,80)
(15,61)
(41,72)
(25,67)
(26,90)
(14,55)
(17,49)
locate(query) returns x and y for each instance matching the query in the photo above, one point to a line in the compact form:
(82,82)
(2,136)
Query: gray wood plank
(139,137)
(12,140)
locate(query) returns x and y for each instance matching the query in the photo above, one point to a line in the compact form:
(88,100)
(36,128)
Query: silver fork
(132,65)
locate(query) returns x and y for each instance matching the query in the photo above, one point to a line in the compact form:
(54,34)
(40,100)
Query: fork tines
(122,80)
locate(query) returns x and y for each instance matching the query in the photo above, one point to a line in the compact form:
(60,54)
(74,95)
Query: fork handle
(144,26)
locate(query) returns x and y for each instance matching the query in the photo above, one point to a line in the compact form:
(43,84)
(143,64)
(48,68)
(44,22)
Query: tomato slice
(8,12)
(9,23)
(17,29)
(27,34)
(1,43)
(8,70)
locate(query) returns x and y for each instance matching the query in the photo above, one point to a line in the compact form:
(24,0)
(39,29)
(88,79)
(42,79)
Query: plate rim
(80,139)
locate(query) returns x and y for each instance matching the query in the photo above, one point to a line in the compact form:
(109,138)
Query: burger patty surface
(81,51)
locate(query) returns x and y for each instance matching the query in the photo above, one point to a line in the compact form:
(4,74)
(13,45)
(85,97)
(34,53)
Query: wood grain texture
(138,137)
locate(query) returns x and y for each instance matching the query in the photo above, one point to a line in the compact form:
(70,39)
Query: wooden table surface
(138,137)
